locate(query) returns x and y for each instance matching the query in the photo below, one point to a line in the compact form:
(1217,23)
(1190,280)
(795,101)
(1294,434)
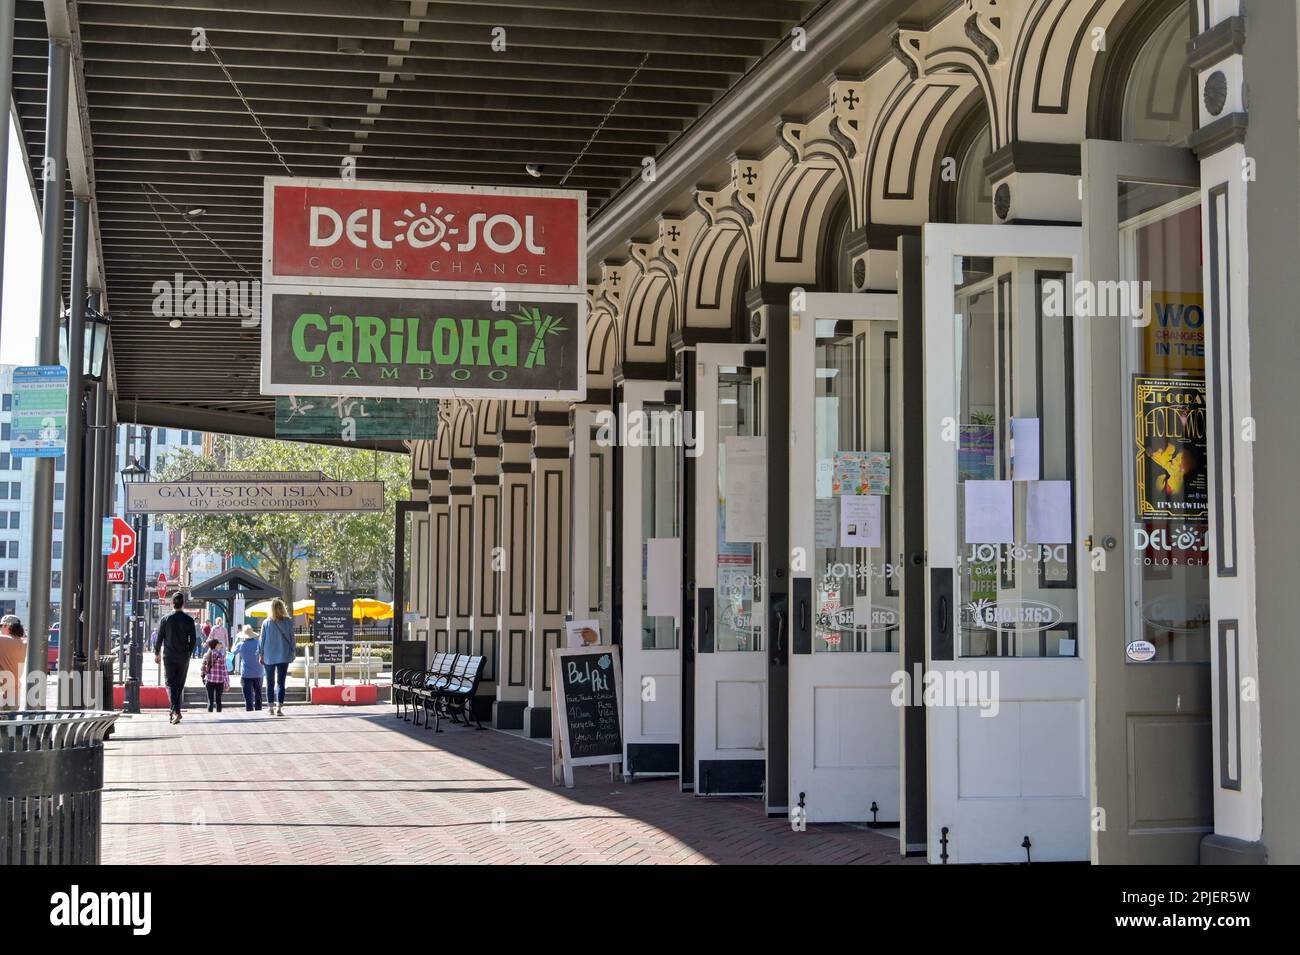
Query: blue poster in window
(39,424)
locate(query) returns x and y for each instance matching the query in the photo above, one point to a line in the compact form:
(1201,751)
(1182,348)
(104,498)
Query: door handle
(779,644)
(803,615)
(943,615)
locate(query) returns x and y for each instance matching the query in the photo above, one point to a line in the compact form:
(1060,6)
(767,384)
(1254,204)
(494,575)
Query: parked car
(52,655)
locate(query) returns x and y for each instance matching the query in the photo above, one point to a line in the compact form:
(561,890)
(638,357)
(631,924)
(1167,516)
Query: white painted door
(1006,689)
(652,553)
(846,534)
(731,528)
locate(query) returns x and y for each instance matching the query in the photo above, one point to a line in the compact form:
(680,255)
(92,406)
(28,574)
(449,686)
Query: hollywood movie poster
(1170,424)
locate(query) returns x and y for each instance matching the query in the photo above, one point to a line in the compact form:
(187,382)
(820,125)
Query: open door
(651,561)
(1007,683)
(846,521)
(1150,471)
(730,662)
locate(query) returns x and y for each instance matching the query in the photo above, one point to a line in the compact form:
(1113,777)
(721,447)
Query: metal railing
(367,664)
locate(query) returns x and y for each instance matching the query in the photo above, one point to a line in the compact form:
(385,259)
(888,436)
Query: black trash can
(51,786)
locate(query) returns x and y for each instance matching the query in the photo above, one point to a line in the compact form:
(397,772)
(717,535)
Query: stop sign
(123,549)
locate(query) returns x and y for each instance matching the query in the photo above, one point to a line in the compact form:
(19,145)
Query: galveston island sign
(423,291)
(243,492)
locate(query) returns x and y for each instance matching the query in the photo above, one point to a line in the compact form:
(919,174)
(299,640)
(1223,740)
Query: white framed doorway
(1008,585)
(730,677)
(651,491)
(846,606)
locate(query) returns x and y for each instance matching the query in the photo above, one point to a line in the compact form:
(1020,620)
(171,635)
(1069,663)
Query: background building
(16,505)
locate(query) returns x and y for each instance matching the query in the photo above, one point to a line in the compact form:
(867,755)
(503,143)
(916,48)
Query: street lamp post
(133,473)
(96,482)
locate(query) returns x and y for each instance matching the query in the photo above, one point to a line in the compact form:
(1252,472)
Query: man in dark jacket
(176,640)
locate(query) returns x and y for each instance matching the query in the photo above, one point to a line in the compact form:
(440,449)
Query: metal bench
(424,693)
(456,696)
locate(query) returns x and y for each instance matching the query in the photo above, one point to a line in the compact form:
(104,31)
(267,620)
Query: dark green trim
(549,418)
(1217,136)
(1062,159)
(1226,38)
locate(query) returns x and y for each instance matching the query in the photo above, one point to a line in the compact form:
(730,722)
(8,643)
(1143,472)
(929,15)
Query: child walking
(215,675)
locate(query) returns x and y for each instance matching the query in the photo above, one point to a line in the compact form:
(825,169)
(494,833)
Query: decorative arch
(602,353)
(462,434)
(1133,26)
(650,317)
(906,140)
(968,127)
(487,426)
(1058,44)
(440,463)
(714,266)
(421,462)
(796,219)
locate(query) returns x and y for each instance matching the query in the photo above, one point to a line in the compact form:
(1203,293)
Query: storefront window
(1167,476)
(740,560)
(858,501)
(1015,462)
(659,488)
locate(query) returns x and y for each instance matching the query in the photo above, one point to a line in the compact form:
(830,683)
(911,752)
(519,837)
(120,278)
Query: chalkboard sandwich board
(587,709)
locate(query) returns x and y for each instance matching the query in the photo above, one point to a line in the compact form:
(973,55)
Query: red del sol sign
(406,235)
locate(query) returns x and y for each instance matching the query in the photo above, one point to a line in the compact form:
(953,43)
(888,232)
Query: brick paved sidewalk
(356,785)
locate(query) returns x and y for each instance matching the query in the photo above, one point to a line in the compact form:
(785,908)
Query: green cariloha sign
(407,346)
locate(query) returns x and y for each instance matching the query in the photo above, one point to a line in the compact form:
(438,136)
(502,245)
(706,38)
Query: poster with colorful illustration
(861,472)
(1170,448)
(976,453)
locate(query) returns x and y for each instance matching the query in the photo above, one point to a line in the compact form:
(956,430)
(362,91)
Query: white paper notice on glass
(746,489)
(860,520)
(827,521)
(1026,448)
(1047,512)
(825,474)
(990,516)
(663,575)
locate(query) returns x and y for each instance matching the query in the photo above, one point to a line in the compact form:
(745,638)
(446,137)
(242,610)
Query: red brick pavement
(355,785)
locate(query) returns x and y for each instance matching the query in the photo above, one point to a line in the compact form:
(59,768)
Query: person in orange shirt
(13,656)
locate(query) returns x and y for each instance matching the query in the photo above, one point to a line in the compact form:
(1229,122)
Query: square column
(514,582)
(550,557)
(485,542)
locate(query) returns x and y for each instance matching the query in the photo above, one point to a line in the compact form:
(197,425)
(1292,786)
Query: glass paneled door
(1152,472)
(846,532)
(1006,687)
(731,611)
(653,433)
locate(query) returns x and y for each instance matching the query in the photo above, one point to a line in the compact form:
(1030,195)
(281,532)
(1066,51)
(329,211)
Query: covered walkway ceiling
(411,89)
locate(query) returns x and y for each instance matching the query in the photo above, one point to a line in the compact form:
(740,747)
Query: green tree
(356,546)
